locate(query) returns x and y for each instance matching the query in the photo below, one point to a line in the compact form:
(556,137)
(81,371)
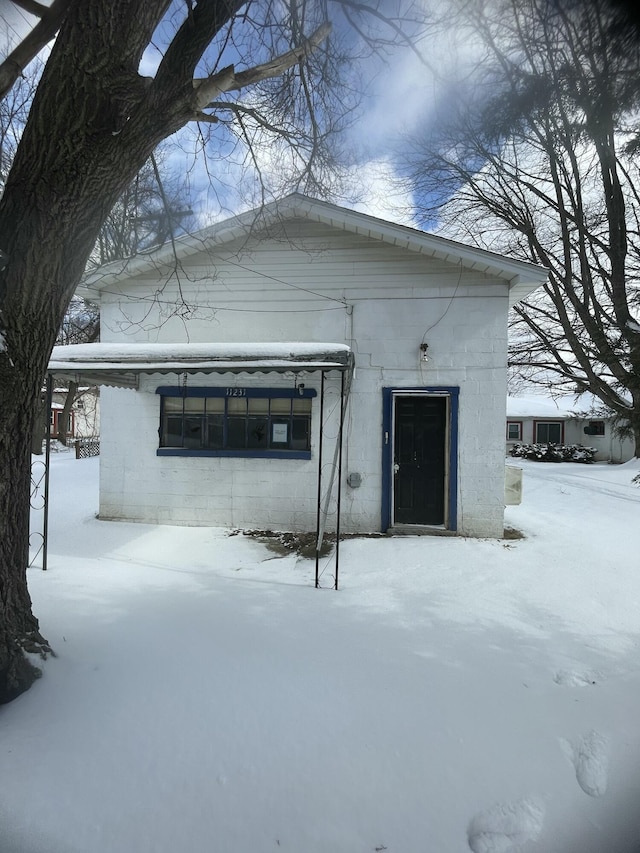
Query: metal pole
(339,476)
(47,459)
(320,438)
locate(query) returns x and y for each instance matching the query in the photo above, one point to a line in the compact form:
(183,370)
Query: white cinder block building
(236,362)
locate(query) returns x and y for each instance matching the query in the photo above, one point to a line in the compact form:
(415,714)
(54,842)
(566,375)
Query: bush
(554,452)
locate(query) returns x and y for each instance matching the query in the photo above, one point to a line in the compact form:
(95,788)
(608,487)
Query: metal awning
(121,364)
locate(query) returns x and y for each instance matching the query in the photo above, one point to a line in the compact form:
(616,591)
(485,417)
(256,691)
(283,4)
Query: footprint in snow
(505,826)
(573,678)
(590,758)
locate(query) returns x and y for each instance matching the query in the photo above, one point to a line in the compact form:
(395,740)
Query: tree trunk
(92,126)
(19,631)
(65,415)
(40,427)
(31,317)
(634,422)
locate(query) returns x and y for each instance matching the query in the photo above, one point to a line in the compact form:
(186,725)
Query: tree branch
(14,64)
(32,7)
(226,80)
(201,25)
(242,112)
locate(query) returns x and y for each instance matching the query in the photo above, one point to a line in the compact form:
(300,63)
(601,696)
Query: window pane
(258,405)
(301,406)
(554,433)
(280,406)
(215,405)
(237,406)
(300,434)
(172,431)
(194,404)
(236,433)
(193,432)
(215,432)
(172,404)
(513,432)
(257,432)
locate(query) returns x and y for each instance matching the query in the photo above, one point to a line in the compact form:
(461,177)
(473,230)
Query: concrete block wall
(136,484)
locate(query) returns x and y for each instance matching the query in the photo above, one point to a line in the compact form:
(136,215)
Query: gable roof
(521,276)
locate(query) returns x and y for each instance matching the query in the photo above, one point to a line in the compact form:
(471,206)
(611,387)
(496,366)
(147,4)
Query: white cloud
(382,192)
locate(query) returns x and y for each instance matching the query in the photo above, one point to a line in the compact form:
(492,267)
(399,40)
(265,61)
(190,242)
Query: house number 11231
(236,392)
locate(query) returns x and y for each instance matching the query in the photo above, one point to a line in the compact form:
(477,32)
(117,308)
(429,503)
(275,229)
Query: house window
(236,421)
(514,430)
(595,428)
(548,432)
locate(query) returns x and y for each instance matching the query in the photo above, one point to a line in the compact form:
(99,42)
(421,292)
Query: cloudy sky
(401,94)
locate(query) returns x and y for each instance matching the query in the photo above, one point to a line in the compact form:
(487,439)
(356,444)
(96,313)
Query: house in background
(565,420)
(301,363)
(84,417)
(56,413)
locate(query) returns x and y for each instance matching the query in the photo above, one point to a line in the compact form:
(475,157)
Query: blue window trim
(227,391)
(453,392)
(230,392)
(243,454)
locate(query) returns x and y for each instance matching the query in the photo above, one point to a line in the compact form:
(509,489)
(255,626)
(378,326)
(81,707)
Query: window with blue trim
(236,420)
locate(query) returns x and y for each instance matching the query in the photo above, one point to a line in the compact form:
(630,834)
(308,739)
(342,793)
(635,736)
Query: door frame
(389,396)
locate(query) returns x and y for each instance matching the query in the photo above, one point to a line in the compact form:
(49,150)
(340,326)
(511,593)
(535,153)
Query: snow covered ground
(454,695)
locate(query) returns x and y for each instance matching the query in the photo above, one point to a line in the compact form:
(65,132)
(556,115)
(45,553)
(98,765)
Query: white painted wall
(316,285)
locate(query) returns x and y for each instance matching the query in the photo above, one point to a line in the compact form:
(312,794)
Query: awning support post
(340,435)
(318,516)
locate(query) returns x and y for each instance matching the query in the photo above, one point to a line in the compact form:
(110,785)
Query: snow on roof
(120,364)
(569,406)
(138,353)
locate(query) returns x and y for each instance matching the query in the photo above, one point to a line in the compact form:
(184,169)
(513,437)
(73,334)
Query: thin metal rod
(47,459)
(320,440)
(340,435)
(332,472)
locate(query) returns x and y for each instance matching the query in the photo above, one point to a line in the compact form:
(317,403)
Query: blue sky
(401,94)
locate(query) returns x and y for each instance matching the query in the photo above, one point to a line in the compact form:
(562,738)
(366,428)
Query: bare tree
(150,211)
(539,160)
(262,69)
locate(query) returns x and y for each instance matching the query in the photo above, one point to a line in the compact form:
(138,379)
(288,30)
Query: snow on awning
(121,364)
